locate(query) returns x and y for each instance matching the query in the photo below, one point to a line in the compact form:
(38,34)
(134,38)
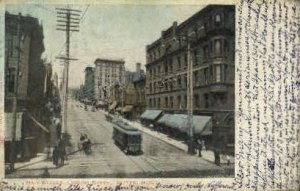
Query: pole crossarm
(64,9)
(65,58)
(71,18)
(68,13)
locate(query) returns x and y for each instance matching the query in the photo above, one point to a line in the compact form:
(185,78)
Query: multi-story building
(27,77)
(107,73)
(89,83)
(206,40)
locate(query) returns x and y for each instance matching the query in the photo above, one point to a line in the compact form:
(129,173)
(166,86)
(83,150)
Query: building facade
(207,41)
(89,83)
(107,73)
(28,77)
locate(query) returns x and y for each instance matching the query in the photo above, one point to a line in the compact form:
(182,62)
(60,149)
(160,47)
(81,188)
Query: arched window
(217,47)
(218,18)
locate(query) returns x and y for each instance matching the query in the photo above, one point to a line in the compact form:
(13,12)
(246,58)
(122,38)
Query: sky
(106,31)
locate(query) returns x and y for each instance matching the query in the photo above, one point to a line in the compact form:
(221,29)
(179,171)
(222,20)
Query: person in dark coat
(62,152)
(199,146)
(55,155)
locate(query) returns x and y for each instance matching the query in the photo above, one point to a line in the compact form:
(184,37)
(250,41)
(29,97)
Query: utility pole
(15,96)
(68,21)
(190,98)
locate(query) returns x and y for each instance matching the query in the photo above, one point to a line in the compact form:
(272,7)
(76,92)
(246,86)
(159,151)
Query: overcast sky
(106,31)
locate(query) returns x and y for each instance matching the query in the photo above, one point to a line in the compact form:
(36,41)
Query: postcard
(149,95)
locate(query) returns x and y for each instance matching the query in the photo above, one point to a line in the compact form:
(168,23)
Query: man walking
(199,144)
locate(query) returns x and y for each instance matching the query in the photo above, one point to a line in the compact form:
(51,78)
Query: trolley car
(128,138)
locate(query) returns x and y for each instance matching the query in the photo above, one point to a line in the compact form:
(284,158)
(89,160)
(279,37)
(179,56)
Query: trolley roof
(126,128)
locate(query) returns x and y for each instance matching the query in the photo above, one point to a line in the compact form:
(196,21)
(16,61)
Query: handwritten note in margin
(267,84)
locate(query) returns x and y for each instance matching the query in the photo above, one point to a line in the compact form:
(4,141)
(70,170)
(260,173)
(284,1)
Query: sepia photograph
(119,91)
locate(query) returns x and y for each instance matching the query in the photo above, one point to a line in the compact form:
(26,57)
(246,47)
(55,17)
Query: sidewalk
(206,154)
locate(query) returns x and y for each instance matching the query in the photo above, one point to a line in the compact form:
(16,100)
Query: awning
(38,123)
(127,108)
(202,124)
(119,109)
(151,114)
(99,102)
(113,105)
(9,126)
(164,119)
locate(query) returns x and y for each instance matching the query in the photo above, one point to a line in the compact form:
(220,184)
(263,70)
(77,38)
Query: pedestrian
(58,130)
(55,156)
(228,160)
(217,158)
(62,152)
(199,145)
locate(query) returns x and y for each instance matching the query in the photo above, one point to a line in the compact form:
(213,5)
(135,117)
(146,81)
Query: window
(166,102)
(158,102)
(218,20)
(226,48)
(196,100)
(166,68)
(195,55)
(205,51)
(218,73)
(150,102)
(154,86)
(11,80)
(178,62)
(206,100)
(179,81)
(171,102)
(179,102)
(171,84)
(206,76)
(185,81)
(150,86)
(154,102)
(195,80)
(158,70)
(171,65)
(185,60)
(217,47)
(185,102)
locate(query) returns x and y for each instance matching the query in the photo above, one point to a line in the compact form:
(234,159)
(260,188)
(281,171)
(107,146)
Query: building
(89,83)
(108,72)
(135,75)
(140,103)
(129,99)
(210,35)
(28,77)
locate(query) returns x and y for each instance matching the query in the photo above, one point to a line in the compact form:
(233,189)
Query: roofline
(188,20)
(109,60)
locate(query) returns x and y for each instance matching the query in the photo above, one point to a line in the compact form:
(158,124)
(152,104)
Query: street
(159,159)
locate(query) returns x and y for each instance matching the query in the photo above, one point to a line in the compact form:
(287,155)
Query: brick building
(211,36)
